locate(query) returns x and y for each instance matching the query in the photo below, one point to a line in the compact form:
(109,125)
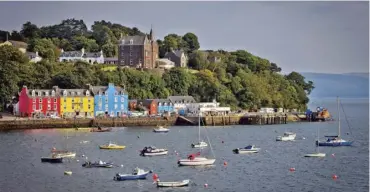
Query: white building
(89,57)
(208,108)
(34,57)
(165,64)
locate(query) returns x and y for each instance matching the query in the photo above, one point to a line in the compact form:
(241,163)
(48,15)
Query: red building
(150,104)
(35,102)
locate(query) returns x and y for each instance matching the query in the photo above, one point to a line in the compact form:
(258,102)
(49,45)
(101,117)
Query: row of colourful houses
(89,102)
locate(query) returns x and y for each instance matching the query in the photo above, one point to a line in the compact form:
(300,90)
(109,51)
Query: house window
(115,106)
(122,61)
(115,99)
(87,93)
(100,93)
(100,100)
(33,93)
(146,53)
(65,107)
(73,93)
(106,93)
(40,100)
(53,93)
(55,106)
(106,107)
(33,100)
(140,61)
(40,107)
(159,104)
(116,93)
(122,99)
(49,107)
(130,61)
(34,107)
(78,93)
(89,107)
(55,100)
(65,100)
(131,42)
(88,100)
(130,53)
(39,93)
(46,93)
(49,100)
(122,106)
(106,99)
(64,93)
(73,100)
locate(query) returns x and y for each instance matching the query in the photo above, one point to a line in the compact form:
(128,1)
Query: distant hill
(349,85)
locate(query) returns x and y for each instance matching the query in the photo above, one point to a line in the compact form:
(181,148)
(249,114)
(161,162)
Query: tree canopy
(238,79)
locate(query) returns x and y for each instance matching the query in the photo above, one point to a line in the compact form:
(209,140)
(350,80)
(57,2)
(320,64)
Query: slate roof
(136,40)
(71,54)
(43,92)
(75,92)
(181,99)
(19,44)
(92,54)
(111,59)
(177,53)
(102,89)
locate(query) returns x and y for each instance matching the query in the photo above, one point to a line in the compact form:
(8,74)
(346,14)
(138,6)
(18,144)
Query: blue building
(164,105)
(109,100)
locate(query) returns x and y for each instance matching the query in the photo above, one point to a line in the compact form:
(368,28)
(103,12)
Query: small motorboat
(173,184)
(153,151)
(84,142)
(112,146)
(136,174)
(195,160)
(161,129)
(64,154)
(247,149)
(288,136)
(199,145)
(52,159)
(101,129)
(99,164)
(67,172)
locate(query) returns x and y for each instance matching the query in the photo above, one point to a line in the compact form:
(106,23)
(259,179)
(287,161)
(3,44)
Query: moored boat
(112,146)
(195,160)
(182,183)
(315,155)
(153,151)
(247,149)
(161,129)
(199,144)
(64,154)
(52,159)
(67,172)
(100,164)
(288,136)
(136,174)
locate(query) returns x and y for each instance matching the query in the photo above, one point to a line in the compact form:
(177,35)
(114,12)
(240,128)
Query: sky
(327,37)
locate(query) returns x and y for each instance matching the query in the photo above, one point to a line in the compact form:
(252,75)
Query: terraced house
(109,100)
(76,103)
(39,102)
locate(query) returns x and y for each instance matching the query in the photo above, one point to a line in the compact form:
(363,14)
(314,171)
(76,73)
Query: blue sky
(330,37)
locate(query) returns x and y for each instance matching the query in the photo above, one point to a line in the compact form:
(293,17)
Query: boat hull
(97,166)
(243,151)
(315,155)
(66,155)
(160,131)
(155,153)
(130,177)
(334,144)
(51,160)
(101,129)
(198,146)
(173,184)
(112,148)
(195,162)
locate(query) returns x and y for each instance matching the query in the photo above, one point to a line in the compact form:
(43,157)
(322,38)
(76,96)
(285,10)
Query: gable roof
(181,99)
(177,53)
(92,54)
(136,40)
(75,92)
(71,54)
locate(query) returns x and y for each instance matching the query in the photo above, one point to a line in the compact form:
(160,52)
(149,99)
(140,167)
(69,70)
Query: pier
(245,120)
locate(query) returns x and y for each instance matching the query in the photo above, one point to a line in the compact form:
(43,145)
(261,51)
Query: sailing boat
(200,144)
(63,154)
(317,154)
(196,159)
(335,141)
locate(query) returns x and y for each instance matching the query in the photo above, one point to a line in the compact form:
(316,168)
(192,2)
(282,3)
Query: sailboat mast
(317,146)
(338,116)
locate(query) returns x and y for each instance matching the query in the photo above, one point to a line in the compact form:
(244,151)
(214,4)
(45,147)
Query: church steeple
(151,34)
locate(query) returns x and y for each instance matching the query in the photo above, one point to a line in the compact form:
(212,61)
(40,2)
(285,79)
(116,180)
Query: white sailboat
(317,154)
(200,144)
(64,153)
(196,159)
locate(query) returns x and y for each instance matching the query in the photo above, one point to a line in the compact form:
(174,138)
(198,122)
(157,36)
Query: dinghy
(161,129)
(101,129)
(288,136)
(317,153)
(67,172)
(136,174)
(112,146)
(99,164)
(64,154)
(173,184)
(247,149)
(199,145)
(153,151)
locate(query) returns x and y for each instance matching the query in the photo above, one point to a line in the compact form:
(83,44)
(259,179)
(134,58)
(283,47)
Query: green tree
(191,42)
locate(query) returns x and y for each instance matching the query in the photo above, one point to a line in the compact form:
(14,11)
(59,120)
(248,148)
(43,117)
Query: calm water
(21,169)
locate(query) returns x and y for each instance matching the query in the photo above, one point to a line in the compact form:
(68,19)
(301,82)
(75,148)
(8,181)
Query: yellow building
(22,46)
(76,102)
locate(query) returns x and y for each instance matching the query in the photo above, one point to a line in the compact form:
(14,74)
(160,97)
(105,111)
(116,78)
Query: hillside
(350,85)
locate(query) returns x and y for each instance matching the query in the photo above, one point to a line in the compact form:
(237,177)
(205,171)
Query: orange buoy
(225,163)
(292,169)
(206,185)
(155,177)
(334,176)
